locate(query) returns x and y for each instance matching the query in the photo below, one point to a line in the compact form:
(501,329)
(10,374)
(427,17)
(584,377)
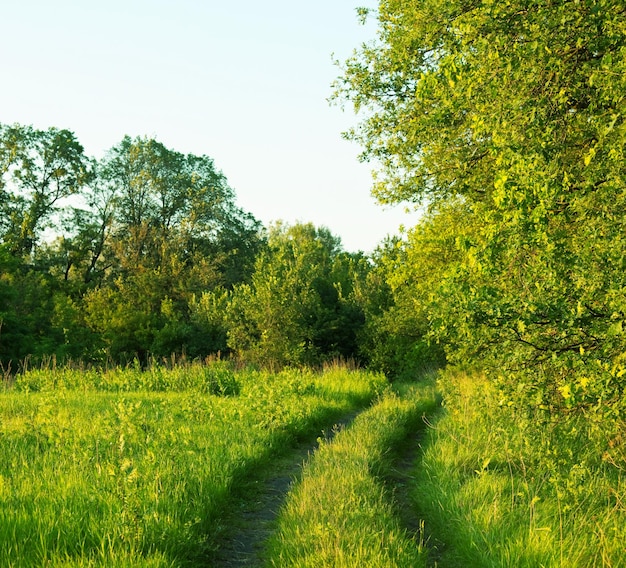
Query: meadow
(342,513)
(494,497)
(132,468)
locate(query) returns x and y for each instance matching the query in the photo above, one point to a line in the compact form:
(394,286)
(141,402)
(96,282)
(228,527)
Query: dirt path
(253,516)
(400,478)
(401,481)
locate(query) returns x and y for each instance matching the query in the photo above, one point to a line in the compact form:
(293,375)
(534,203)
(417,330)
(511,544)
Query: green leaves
(514,114)
(39,170)
(134,237)
(299,308)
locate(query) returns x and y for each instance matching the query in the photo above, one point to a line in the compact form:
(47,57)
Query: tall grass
(341,514)
(214,378)
(112,469)
(484,496)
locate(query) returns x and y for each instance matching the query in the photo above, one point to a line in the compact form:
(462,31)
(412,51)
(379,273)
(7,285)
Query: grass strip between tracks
(341,513)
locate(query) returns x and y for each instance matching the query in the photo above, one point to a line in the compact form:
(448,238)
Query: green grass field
(145,468)
(488,502)
(102,471)
(341,514)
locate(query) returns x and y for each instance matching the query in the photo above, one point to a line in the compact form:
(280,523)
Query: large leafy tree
(408,303)
(464,97)
(39,170)
(107,258)
(517,108)
(174,233)
(162,196)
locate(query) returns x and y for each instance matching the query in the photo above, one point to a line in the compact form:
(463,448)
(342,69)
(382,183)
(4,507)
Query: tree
(26,307)
(517,108)
(172,233)
(41,171)
(106,258)
(164,196)
(463,98)
(297,308)
(38,171)
(411,315)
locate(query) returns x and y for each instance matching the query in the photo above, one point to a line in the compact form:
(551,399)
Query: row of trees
(102,258)
(144,253)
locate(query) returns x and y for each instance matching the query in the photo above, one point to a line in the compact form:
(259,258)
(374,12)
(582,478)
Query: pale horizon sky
(243,82)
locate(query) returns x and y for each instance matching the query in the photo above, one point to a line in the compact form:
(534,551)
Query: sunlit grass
(340,514)
(139,478)
(483,499)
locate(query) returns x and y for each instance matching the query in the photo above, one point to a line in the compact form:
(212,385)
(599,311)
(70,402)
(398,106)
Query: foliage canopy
(511,116)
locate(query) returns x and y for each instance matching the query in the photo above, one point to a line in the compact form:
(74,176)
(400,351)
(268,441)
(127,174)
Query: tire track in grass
(400,478)
(346,510)
(253,513)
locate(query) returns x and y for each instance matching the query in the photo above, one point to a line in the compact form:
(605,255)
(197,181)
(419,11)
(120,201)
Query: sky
(244,82)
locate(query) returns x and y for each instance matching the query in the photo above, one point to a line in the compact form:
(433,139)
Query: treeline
(144,254)
(101,258)
(508,121)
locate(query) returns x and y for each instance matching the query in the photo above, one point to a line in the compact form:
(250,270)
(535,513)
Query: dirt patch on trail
(251,518)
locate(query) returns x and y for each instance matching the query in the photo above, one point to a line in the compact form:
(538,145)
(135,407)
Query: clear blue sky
(245,82)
